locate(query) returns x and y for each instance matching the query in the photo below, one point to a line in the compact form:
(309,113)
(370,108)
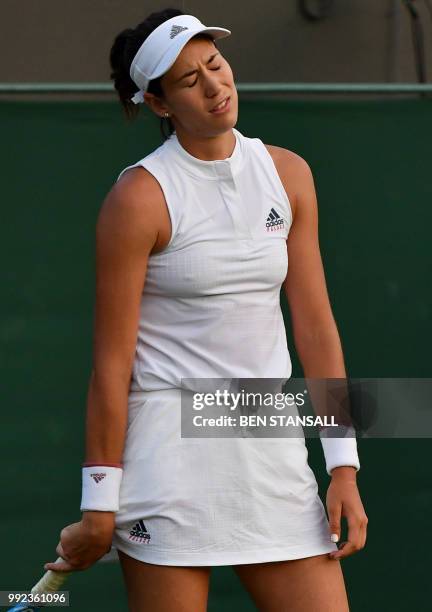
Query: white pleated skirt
(213,501)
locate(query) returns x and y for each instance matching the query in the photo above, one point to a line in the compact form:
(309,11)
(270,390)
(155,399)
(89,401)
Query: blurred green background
(372,166)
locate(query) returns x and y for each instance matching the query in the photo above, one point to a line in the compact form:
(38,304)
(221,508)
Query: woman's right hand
(82,544)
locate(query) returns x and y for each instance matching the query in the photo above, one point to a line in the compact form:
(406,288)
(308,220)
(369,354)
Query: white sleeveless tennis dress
(211,309)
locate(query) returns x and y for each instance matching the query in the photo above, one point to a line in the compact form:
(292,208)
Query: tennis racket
(52,581)
(49,583)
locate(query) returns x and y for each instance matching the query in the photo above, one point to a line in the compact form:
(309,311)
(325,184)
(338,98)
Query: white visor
(163,46)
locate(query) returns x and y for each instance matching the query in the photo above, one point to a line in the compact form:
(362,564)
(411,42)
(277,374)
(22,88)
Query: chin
(224,124)
(227,122)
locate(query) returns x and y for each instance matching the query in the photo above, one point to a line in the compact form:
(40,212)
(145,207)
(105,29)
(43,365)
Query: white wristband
(339,452)
(101,488)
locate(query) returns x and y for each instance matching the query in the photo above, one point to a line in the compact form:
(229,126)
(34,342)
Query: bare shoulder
(136,205)
(294,171)
(287,160)
(136,191)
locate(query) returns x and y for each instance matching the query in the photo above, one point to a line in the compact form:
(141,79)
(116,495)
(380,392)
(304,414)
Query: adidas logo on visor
(274,221)
(176,30)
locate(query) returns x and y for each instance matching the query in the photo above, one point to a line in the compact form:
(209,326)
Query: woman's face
(199,80)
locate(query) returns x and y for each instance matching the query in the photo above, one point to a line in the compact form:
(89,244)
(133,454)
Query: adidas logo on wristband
(97,496)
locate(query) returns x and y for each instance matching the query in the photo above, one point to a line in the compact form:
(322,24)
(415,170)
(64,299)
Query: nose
(212,86)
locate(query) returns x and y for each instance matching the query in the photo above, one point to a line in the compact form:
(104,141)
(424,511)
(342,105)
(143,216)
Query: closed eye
(195,82)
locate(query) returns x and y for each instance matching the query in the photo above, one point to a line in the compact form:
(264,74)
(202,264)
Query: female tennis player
(193,243)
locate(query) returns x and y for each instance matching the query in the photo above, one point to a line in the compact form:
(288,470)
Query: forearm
(321,356)
(106,420)
(320,352)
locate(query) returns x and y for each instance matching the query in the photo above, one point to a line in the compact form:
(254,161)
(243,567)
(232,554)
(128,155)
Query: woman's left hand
(343,499)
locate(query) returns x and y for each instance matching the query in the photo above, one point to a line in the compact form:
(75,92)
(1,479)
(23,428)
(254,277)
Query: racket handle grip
(51,581)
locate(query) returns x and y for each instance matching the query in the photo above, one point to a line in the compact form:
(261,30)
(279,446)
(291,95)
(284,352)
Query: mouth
(222,107)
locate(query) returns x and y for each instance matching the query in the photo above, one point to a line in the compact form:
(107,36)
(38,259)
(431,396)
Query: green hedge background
(372,167)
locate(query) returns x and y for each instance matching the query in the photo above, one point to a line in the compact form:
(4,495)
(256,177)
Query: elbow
(315,334)
(111,374)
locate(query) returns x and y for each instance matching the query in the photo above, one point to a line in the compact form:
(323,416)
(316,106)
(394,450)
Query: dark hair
(124,49)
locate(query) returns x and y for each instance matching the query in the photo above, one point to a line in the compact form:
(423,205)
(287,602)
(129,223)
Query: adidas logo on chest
(274,221)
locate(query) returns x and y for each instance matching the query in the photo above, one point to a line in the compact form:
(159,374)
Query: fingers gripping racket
(52,581)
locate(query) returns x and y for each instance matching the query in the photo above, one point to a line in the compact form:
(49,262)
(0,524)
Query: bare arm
(314,328)
(126,232)
(316,336)
(315,333)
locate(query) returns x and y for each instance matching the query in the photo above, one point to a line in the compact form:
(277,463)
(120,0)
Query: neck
(208,148)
